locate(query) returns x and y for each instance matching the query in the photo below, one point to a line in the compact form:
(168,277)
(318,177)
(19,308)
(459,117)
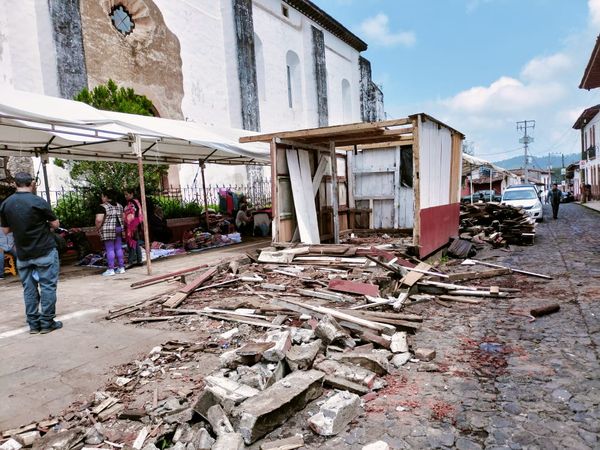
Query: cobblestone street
(500,381)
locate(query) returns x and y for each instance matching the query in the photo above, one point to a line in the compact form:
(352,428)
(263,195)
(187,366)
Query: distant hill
(539,162)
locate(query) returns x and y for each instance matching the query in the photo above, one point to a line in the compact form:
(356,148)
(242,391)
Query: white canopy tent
(472,162)
(38,125)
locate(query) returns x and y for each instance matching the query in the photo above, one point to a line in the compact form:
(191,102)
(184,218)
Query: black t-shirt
(27,215)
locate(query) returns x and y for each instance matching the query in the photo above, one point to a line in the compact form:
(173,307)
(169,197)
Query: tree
(99,175)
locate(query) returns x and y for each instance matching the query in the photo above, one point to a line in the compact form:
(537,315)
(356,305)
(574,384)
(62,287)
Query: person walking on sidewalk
(31,220)
(109,223)
(133,219)
(554,196)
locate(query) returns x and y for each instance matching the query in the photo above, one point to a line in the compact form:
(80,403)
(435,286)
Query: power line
(524,126)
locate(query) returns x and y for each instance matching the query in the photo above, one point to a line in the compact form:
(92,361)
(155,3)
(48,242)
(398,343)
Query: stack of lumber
(496,224)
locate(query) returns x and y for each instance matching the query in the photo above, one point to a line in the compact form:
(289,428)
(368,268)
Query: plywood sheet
(302,191)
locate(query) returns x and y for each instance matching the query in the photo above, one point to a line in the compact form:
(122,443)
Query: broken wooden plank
(302,193)
(183,293)
(374,315)
(160,278)
(152,319)
(354,287)
(289,443)
(456,298)
(411,278)
(273,287)
(380,327)
(331,296)
(466,276)
(523,272)
(275,257)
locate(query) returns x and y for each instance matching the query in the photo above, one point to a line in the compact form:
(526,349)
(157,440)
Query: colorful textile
(133,218)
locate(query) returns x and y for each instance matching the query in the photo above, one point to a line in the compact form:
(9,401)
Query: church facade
(260,65)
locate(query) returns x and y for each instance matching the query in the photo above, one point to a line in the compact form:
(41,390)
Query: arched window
(346,101)
(260,68)
(294,85)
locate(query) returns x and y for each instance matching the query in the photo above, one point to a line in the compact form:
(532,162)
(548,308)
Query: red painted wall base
(438,224)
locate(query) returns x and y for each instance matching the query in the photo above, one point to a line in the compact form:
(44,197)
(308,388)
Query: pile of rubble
(336,326)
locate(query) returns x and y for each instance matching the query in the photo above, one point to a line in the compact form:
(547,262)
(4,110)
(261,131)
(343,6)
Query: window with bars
(122,20)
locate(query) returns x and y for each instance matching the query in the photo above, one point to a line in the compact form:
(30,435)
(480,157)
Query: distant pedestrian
(7,245)
(554,197)
(133,220)
(31,220)
(109,223)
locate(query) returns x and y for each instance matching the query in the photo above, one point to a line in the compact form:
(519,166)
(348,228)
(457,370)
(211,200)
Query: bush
(76,209)
(174,209)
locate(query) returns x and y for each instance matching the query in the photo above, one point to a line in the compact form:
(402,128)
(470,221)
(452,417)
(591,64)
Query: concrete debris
(399,359)
(289,443)
(94,435)
(425,354)
(349,372)
(11,444)
(345,385)
(379,445)
(202,440)
(60,441)
(283,342)
(302,335)
(232,359)
(229,441)
(301,357)
(28,438)
(219,421)
(229,334)
(399,343)
(229,392)
(375,361)
(263,413)
(331,332)
(337,412)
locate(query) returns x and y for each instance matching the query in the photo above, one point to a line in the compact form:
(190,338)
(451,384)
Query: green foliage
(100,175)
(77,209)
(174,209)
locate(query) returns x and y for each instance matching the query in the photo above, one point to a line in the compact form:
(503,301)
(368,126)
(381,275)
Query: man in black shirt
(554,196)
(31,221)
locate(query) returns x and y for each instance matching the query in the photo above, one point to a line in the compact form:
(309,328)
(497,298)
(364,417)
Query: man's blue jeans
(40,304)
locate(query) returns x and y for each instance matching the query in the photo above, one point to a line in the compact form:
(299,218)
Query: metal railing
(76,207)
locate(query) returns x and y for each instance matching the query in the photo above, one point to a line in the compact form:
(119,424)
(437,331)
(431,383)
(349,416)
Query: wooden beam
(349,148)
(335,194)
(326,131)
(276,223)
(416,182)
(344,140)
(303,145)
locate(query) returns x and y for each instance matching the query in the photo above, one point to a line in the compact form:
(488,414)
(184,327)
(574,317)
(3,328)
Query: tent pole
(138,151)
(471,180)
(491,197)
(204,192)
(45,173)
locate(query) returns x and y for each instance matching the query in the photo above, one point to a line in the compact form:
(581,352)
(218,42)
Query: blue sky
(482,65)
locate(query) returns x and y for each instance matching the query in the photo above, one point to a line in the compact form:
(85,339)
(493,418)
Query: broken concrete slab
(229,392)
(263,413)
(262,375)
(400,359)
(289,443)
(330,331)
(219,421)
(206,399)
(11,444)
(254,349)
(425,354)
(229,441)
(302,335)
(231,359)
(345,385)
(28,438)
(283,342)
(58,441)
(301,357)
(350,372)
(399,343)
(375,361)
(337,412)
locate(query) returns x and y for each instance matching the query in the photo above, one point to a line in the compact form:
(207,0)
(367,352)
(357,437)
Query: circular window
(122,20)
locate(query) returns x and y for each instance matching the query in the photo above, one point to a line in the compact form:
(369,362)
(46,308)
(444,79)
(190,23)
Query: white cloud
(376,30)
(504,95)
(594,7)
(472,5)
(544,68)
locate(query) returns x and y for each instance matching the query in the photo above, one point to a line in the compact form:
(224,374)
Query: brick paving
(499,381)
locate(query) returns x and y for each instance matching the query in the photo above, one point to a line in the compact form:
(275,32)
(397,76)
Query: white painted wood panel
(304,202)
(435,153)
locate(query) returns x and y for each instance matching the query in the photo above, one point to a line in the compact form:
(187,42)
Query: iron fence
(76,207)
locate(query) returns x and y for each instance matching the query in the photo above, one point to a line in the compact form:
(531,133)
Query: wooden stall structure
(395,174)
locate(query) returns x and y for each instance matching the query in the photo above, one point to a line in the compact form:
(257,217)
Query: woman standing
(133,219)
(109,223)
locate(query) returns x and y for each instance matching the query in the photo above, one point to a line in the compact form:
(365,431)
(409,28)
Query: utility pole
(526,140)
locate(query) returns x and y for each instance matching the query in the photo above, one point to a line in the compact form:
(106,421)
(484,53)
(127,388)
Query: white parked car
(526,197)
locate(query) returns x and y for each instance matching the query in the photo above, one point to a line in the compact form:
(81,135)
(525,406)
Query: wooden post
(275,214)
(45,173)
(416,123)
(204,193)
(335,195)
(137,145)
(397,188)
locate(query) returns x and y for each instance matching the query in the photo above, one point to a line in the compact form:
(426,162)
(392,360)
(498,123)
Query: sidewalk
(42,374)
(595,205)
